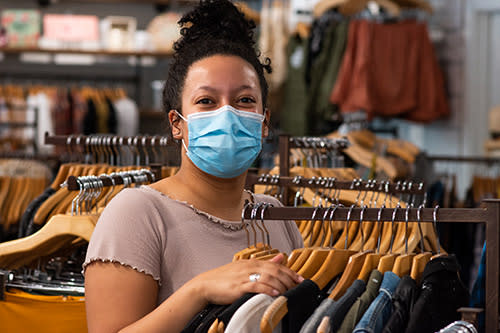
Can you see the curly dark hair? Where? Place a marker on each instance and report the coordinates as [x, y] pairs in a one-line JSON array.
[[213, 27]]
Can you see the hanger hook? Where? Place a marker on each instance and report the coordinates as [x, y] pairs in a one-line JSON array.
[[265, 206], [380, 223], [407, 218], [243, 224], [313, 222], [392, 225], [347, 225], [434, 222], [361, 217], [331, 224], [253, 215], [419, 220]]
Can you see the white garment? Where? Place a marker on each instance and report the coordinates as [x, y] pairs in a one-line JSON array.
[[45, 123], [127, 116], [247, 318]]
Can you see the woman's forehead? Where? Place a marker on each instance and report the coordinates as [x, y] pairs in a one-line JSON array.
[[221, 72]]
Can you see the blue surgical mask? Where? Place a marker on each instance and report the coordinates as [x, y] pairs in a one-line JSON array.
[[225, 142]]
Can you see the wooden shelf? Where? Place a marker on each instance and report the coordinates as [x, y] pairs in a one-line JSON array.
[[17, 50]]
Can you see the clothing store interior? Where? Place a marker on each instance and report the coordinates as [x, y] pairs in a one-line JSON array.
[[389, 213]]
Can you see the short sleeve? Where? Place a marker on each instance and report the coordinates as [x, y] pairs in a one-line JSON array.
[[129, 232]]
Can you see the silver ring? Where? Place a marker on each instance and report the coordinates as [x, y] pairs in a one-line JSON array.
[[254, 277]]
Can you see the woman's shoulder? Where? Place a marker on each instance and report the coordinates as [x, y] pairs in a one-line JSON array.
[[267, 199]]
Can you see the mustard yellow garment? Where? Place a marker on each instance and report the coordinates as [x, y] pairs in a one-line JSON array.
[[22, 312]]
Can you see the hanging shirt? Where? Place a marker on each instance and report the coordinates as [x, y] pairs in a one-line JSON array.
[[294, 116], [127, 117], [301, 302], [359, 307], [323, 74], [402, 305], [247, 318], [209, 313], [342, 306], [441, 294], [171, 240], [24, 312], [374, 319], [228, 313], [335, 310], [44, 122], [478, 295]]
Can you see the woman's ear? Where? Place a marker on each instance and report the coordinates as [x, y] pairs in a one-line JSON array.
[[174, 120], [267, 119]]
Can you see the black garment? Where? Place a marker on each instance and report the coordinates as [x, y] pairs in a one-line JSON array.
[[226, 315], [339, 309], [31, 210], [112, 120], [209, 312], [441, 294], [90, 118], [302, 301], [404, 297]]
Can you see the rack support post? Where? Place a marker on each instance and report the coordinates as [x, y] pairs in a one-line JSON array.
[[492, 264]]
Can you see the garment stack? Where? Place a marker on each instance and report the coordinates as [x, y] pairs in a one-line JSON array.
[[386, 68]]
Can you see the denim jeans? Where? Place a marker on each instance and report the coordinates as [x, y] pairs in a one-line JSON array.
[[379, 311]]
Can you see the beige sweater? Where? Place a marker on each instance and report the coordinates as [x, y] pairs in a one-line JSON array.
[[171, 240]]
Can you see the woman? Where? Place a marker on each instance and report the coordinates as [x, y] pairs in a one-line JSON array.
[[161, 253]]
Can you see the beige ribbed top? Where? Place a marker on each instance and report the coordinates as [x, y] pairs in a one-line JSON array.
[[171, 240]]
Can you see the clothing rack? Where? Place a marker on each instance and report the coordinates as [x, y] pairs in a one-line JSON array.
[[464, 159], [89, 141], [490, 216], [331, 183], [120, 178], [287, 142]]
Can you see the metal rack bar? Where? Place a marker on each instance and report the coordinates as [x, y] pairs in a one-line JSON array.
[[277, 180], [91, 140]]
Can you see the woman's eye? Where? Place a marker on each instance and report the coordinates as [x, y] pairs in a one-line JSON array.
[[247, 100], [204, 101]]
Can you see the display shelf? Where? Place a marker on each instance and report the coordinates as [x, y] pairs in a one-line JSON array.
[[155, 54]]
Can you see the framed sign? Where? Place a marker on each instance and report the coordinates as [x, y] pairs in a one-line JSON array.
[[119, 32], [22, 27], [71, 28]]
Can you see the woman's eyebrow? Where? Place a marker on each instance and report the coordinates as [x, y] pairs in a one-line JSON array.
[[212, 89]]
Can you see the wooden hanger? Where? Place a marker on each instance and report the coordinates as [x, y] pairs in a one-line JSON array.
[[248, 12], [59, 226], [418, 266], [419, 4]]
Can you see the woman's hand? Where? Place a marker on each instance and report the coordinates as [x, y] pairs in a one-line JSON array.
[[225, 284]]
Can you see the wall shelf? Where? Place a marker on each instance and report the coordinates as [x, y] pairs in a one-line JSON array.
[[155, 54]]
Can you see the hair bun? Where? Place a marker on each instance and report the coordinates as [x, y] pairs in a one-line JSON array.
[[216, 19]]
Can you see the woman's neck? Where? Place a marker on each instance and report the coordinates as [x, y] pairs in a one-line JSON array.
[[223, 198]]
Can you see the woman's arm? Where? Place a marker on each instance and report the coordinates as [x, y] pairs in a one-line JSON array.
[[120, 299]]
